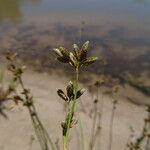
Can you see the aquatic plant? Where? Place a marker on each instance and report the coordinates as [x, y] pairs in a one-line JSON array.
[[77, 58], [26, 98], [97, 112]]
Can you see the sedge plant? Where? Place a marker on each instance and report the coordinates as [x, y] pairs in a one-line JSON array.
[[26, 98], [112, 117], [113, 85], [77, 58], [97, 118]]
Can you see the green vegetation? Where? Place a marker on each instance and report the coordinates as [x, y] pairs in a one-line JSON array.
[[76, 58]]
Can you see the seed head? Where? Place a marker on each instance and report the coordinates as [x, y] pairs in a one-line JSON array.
[[62, 95], [70, 90], [58, 52], [80, 93], [76, 58], [89, 61]]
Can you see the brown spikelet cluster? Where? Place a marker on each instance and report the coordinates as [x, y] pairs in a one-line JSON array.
[[77, 57], [69, 93]]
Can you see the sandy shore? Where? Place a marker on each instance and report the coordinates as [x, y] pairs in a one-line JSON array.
[[17, 131]]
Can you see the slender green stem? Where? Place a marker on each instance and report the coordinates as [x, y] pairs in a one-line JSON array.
[[71, 112], [64, 143]]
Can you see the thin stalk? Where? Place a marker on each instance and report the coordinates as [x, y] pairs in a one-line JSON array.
[[40, 130], [111, 126], [65, 143], [34, 120], [100, 120], [71, 112], [93, 128], [44, 130], [96, 125], [96, 136], [38, 134]]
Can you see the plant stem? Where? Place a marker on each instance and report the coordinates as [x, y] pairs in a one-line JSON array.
[[100, 119], [93, 128], [96, 128], [64, 143], [40, 130], [71, 112], [111, 126]]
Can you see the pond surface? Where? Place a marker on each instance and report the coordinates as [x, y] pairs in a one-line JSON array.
[[132, 14], [119, 30]]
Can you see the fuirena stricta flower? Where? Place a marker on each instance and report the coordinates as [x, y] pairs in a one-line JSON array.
[[77, 57], [70, 94]]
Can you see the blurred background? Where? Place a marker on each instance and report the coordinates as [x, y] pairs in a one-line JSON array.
[[119, 33], [117, 30]]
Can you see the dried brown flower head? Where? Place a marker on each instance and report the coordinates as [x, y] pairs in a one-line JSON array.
[[70, 93], [77, 57]]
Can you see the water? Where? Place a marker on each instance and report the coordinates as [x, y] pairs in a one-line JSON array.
[[119, 30], [129, 13]]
